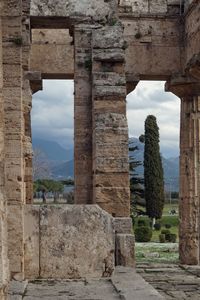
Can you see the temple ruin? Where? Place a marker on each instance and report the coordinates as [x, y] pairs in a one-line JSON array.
[[107, 47]]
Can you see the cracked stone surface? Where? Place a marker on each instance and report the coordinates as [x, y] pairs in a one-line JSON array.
[[125, 284], [73, 290], [172, 281]]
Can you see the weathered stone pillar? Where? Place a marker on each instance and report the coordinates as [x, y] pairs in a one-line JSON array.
[[83, 115], [4, 266], [15, 32], [27, 105], [110, 130], [189, 199]]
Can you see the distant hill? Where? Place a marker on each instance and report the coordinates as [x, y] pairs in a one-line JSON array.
[[64, 170], [170, 166], [53, 151], [62, 164]]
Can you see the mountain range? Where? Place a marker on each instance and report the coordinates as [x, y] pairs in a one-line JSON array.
[[61, 162]]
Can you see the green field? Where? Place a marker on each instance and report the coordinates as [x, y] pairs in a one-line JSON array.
[[157, 253], [154, 251], [173, 220]]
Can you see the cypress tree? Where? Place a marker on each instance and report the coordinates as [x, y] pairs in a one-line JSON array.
[[153, 170], [136, 182]]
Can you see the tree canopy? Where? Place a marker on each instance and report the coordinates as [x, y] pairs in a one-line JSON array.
[[153, 170]]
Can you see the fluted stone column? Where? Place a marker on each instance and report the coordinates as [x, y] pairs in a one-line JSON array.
[[4, 265], [83, 115], [16, 46], [110, 129], [189, 199]]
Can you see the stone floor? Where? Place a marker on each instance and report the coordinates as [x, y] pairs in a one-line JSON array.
[[172, 281], [125, 284]]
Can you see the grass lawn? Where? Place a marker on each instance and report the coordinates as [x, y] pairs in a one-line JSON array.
[[172, 220], [168, 207], [154, 251], [157, 253]]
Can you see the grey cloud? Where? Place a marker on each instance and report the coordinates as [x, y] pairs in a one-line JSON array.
[[53, 112]]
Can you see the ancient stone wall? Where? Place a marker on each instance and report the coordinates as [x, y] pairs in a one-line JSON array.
[[151, 38], [159, 40], [4, 266], [17, 102], [68, 241], [59, 63], [141, 7], [192, 32], [110, 128]]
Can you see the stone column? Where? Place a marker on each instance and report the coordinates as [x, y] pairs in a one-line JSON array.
[[189, 198], [83, 115], [110, 130], [4, 267], [27, 105], [14, 39]]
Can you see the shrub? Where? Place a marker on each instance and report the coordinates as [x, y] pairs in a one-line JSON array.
[[168, 226], [172, 220], [162, 238], [141, 223], [165, 231], [171, 237], [143, 234], [157, 226]]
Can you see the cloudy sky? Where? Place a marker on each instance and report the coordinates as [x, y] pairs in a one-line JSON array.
[[52, 113]]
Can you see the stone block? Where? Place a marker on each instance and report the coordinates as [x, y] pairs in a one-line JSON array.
[[109, 92], [15, 238], [115, 200], [108, 55], [76, 242], [110, 106], [128, 283], [11, 8], [111, 164], [123, 225], [110, 120], [96, 10], [112, 179], [125, 250], [108, 78], [31, 241], [158, 6], [17, 288], [108, 37]]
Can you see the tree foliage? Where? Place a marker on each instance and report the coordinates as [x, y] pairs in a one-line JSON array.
[[48, 185], [153, 171], [136, 182]]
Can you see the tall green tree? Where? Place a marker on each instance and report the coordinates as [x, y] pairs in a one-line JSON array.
[[136, 181], [153, 170]]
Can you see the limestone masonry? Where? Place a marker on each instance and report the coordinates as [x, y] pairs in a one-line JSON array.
[[107, 47]]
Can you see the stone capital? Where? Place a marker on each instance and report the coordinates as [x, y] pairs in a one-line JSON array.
[[131, 82], [183, 86], [193, 66]]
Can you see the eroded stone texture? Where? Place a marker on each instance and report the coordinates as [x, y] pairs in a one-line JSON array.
[[4, 274], [73, 242], [97, 10], [31, 242], [83, 115], [189, 242], [190, 174], [125, 250], [110, 130], [153, 31]]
